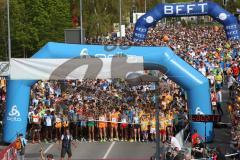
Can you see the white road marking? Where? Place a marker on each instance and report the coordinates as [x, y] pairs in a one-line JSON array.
[[49, 147], [109, 149]]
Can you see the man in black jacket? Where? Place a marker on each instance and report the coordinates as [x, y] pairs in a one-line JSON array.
[[66, 141]]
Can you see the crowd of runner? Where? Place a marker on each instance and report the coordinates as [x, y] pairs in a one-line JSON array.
[[104, 110]]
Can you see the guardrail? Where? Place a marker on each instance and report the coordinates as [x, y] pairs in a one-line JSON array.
[[4, 68]]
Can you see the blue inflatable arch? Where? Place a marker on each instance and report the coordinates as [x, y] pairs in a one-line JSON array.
[[196, 85], [229, 21]]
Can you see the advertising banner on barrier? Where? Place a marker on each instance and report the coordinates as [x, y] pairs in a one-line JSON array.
[[76, 68], [9, 153], [4, 69]]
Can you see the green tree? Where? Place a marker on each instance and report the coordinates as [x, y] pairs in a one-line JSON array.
[[3, 31], [232, 5], [34, 23]]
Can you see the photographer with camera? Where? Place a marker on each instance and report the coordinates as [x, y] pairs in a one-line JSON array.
[[198, 149]]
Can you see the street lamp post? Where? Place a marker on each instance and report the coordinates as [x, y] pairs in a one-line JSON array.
[[120, 18], [165, 20], [9, 32], [145, 6], [157, 121], [81, 21]]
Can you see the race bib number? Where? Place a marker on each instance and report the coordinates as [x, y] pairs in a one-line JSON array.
[[124, 120], [169, 122], [101, 119], [35, 120], [65, 124], [136, 120], [58, 120], [114, 119], [49, 121], [90, 119], [214, 103]]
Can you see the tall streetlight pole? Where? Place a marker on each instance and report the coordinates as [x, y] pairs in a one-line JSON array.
[[9, 32], [157, 121], [165, 20], [81, 21], [120, 18]]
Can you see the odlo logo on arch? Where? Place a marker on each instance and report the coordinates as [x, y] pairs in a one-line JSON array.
[[14, 114]]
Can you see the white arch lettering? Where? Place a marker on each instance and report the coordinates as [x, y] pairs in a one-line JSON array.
[[168, 9], [185, 9], [179, 8], [190, 7], [202, 6]]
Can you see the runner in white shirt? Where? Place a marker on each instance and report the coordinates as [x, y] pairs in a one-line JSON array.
[[48, 122], [202, 69], [136, 121]]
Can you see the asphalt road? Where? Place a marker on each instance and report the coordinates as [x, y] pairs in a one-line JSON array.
[[96, 150]]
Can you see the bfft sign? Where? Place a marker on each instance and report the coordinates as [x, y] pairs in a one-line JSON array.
[[185, 9]]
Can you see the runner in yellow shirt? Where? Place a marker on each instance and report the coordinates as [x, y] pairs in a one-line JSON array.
[[114, 125], [144, 127], [153, 127], [218, 79]]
